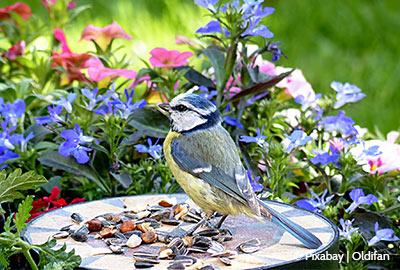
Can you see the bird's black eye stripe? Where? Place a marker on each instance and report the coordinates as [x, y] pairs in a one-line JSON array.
[[180, 108]]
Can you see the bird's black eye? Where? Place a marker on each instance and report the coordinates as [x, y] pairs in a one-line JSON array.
[[180, 108]]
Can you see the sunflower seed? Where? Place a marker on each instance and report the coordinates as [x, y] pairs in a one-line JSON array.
[[143, 265], [176, 266], [250, 246], [225, 260], [215, 247], [61, 235], [165, 253], [172, 222], [145, 255], [145, 259], [77, 218], [116, 249]]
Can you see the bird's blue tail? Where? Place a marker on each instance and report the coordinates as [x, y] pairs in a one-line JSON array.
[[304, 236]]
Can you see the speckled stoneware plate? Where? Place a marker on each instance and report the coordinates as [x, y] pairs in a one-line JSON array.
[[279, 248]]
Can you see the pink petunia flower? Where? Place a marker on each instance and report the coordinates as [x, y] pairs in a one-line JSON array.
[[17, 49], [164, 58], [21, 9], [378, 156], [98, 72], [104, 36], [71, 62]]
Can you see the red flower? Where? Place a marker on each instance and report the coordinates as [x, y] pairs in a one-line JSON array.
[[21, 9], [53, 201], [71, 62], [17, 49]]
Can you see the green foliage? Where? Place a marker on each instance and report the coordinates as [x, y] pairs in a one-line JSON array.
[[22, 215], [12, 184], [11, 243]]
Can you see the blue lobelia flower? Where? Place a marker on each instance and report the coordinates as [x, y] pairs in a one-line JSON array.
[[53, 117], [204, 92], [21, 140], [316, 203], [258, 139], [93, 98], [254, 182], [124, 109], [256, 97], [382, 235], [347, 228], [358, 197], [252, 17], [346, 93], [296, 139], [273, 47], [12, 112], [339, 123], [233, 122], [74, 144], [66, 102], [211, 27], [326, 158], [5, 155], [153, 150]]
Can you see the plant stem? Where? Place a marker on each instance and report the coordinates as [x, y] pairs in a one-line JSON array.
[[29, 259]]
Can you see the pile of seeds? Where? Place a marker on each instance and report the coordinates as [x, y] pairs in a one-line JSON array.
[[129, 230]]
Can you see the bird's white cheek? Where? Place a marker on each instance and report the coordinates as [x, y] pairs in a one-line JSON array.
[[186, 121]]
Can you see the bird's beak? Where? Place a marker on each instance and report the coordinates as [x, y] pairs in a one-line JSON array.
[[164, 108]]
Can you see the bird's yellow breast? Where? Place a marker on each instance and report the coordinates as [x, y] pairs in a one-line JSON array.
[[209, 198]]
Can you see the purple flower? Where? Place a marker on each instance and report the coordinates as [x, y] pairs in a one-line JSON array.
[[253, 13], [124, 109], [53, 117], [21, 141], [254, 98], [258, 139], [6, 155], [12, 111], [296, 139], [325, 158], [382, 234], [210, 28], [346, 93], [206, 93], [254, 182], [66, 102], [93, 98], [74, 144], [153, 150], [307, 101], [358, 197], [233, 122], [340, 123], [273, 47], [316, 203], [346, 229]]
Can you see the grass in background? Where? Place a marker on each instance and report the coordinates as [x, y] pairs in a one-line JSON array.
[[355, 41]]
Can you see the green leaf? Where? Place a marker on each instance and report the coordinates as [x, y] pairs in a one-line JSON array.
[[199, 79], [54, 160], [23, 213], [57, 257], [124, 179], [150, 122], [217, 59], [11, 185], [257, 88]]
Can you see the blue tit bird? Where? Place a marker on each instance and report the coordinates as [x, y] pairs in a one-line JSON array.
[[205, 162]]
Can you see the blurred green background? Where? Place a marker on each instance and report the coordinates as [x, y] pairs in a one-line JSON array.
[[354, 41]]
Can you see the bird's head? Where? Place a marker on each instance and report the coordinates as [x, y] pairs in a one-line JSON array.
[[189, 112]]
